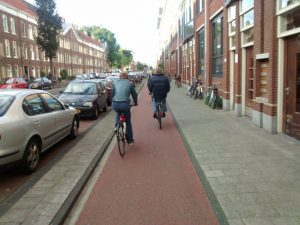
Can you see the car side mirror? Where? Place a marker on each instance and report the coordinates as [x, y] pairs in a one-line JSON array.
[[61, 92], [67, 106]]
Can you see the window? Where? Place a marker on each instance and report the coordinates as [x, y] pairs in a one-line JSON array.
[[4, 23], [30, 32], [288, 17], [199, 6], [217, 46], [13, 25], [247, 22], [9, 70], [286, 3], [232, 26], [31, 52], [37, 52], [7, 48], [15, 49], [52, 103], [17, 70], [33, 105], [25, 51], [201, 52], [23, 29], [246, 5], [35, 32]]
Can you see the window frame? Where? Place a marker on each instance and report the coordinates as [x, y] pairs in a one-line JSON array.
[[5, 23], [7, 48], [214, 56]]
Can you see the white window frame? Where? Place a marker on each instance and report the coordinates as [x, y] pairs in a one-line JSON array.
[[15, 49], [247, 28], [24, 29], [30, 32], [13, 25], [231, 18], [8, 70], [25, 51], [280, 13], [7, 48], [5, 23], [37, 53], [17, 70], [32, 55]]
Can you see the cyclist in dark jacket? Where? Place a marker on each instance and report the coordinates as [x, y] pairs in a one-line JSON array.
[[159, 86]]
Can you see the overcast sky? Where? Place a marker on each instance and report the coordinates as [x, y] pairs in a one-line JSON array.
[[132, 21]]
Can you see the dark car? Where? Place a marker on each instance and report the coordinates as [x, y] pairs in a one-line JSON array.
[[87, 96], [41, 83]]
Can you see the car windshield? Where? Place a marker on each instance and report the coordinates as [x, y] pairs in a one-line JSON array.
[[5, 103], [81, 88]]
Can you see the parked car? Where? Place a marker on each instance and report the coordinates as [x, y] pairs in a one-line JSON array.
[[15, 82], [31, 121], [109, 86], [113, 78], [41, 83], [87, 96]]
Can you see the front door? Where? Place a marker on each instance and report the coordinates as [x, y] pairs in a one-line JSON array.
[[292, 89]]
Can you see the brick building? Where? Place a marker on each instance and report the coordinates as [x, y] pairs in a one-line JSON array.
[[249, 49], [20, 55]]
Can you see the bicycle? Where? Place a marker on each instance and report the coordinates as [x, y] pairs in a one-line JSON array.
[[159, 113], [121, 134]]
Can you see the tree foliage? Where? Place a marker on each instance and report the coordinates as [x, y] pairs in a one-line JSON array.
[[105, 35], [126, 57], [49, 26]]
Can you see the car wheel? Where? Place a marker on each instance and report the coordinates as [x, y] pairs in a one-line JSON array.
[[96, 113], [105, 108], [31, 156], [74, 129]]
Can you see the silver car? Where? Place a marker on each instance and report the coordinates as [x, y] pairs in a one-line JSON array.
[[31, 121]]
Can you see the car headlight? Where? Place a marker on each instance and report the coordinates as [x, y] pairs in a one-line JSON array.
[[88, 104]]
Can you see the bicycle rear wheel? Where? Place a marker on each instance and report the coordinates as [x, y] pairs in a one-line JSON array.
[[159, 115], [121, 139]]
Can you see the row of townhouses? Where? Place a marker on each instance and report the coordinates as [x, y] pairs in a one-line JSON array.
[[20, 55], [249, 49]]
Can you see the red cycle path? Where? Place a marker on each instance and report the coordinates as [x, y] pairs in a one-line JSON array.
[[154, 184]]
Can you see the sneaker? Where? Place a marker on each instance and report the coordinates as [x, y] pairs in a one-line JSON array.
[[154, 115], [115, 130], [131, 142]]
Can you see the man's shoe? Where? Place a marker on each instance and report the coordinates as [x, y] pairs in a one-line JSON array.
[[154, 115], [131, 142], [163, 115], [115, 130]]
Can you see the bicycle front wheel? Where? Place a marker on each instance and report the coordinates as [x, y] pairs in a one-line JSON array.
[[121, 139]]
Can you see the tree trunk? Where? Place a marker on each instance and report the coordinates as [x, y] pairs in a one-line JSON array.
[[51, 69]]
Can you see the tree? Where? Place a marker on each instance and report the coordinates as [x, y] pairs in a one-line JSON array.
[[49, 26], [126, 57], [104, 34]]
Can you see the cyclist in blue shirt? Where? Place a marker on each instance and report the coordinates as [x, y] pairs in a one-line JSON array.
[[121, 102], [159, 86]]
